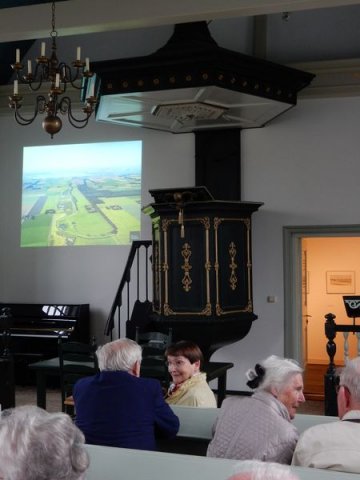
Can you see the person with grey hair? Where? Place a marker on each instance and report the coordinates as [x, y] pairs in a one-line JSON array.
[[258, 470], [116, 407], [336, 445], [259, 426], [37, 445]]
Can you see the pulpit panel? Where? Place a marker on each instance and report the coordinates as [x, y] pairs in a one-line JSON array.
[[232, 265], [186, 266]]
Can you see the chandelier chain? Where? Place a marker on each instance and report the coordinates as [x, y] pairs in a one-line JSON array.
[[53, 32]]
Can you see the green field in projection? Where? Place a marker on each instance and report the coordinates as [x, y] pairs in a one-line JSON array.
[[77, 211]]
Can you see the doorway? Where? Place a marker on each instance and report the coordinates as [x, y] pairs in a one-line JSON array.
[[313, 257]]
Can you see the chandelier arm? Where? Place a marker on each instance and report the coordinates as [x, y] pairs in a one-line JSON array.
[[68, 77], [34, 89], [39, 108], [21, 120], [81, 123], [34, 80], [65, 108]]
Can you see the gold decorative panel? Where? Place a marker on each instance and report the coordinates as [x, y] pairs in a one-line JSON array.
[[232, 265], [186, 266], [186, 254]]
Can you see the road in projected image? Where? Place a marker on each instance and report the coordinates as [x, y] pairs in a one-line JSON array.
[[94, 208]]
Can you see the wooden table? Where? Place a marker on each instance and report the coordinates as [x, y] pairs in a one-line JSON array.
[[51, 367], [218, 370], [43, 370]]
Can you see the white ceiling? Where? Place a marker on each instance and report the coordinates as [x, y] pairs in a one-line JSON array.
[[87, 16], [320, 36]]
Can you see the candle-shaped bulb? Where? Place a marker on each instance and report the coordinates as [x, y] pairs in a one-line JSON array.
[[17, 59], [29, 67], [87, 64], [57, 80], [78, 53], [91, 91], [42, 49], [16, 87]]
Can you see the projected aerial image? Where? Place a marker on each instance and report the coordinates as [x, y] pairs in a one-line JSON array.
[[83, 194]]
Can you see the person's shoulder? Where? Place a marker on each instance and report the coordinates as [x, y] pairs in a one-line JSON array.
[[151, 383], [326, 429], [201, 397], [315, 440], [83, 382], [235, 399], [206, 401], [234, 402], [325, 426]]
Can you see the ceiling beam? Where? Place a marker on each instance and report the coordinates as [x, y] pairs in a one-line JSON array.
[[75, 17]]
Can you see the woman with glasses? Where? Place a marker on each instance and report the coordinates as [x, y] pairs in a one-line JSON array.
[[189, 386]]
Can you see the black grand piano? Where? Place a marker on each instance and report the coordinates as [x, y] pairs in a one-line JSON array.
[[34, 331]]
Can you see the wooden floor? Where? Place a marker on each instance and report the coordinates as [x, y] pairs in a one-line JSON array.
[[314, 381]]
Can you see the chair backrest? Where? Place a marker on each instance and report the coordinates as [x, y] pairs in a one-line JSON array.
[[76, 360], [154, 342], [153, 346]]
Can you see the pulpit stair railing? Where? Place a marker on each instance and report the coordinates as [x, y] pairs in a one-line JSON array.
[[133, 293]]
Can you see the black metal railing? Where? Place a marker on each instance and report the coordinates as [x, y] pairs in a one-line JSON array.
[[135, 282]]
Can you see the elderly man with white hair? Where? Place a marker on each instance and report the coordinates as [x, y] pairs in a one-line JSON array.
[[116, 407], [336, 445], [35, 444]]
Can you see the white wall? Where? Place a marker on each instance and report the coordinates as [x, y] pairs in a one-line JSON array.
[[304, 166], [77, 274]]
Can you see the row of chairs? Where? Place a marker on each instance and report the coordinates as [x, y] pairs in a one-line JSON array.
[[79, 360]]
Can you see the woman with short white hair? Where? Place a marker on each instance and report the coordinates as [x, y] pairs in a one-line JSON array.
[[259, 426], [37, 445]]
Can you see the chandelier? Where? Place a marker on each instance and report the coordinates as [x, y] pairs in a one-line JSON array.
[[60, 76]]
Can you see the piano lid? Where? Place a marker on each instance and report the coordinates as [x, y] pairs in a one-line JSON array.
[[41, 311]]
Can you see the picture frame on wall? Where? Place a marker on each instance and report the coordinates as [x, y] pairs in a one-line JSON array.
[[340, 282]]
